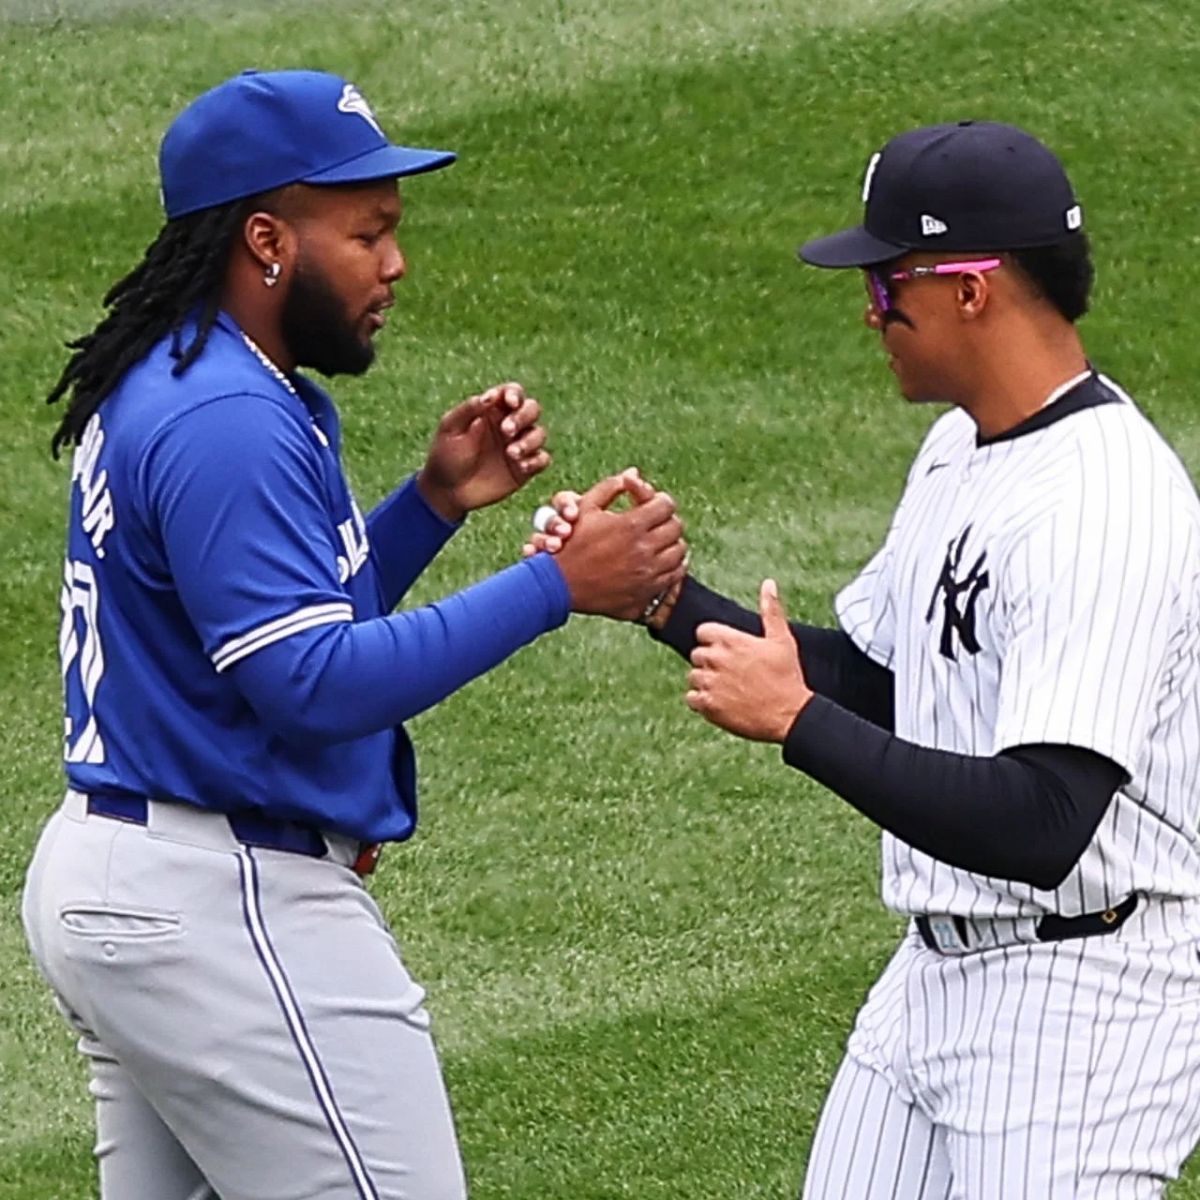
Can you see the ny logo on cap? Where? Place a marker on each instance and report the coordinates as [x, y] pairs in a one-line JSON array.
[[869, 177], [352, 102], [931, 226]]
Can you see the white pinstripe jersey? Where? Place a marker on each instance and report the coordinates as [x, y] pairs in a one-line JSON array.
[[1044, 587]]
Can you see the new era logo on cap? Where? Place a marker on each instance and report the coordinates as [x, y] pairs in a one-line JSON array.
[[931, 226]]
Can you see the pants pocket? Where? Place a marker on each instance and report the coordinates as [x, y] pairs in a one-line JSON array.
[[118, 924]]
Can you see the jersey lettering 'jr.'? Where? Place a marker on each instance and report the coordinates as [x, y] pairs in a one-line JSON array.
[[1043, 586]]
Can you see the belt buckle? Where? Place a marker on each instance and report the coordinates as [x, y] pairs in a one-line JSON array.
[[368, 858]]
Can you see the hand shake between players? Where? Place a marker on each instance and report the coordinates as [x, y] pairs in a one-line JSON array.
[[616, 564], [752, 686], [492, 444]]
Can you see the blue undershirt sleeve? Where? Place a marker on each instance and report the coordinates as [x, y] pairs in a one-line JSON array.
[[338, 682], [233, 488], [405, 536]]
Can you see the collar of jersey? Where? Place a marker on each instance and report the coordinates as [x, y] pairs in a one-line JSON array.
[[314, 398], [1089, 392]]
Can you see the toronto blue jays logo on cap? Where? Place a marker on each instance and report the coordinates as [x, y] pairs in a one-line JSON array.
[[353, 101]]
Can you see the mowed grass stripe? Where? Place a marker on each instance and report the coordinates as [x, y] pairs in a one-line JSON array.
[[644, 942], [626, 1133], [417, 62]]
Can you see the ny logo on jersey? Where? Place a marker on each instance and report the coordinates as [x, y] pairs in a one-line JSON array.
[[959, 596]]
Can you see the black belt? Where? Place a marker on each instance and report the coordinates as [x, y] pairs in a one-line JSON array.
[[251, 829], [1050, 928]]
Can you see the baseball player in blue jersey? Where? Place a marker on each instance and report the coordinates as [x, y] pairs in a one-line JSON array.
[[235, 686], [1013, 696]]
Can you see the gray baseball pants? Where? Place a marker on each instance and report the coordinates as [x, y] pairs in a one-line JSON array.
[[251, 1030]]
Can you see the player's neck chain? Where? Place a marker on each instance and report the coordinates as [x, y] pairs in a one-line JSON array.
[[258, 353]]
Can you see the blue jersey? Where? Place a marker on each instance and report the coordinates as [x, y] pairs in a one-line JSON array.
[[225, 636]]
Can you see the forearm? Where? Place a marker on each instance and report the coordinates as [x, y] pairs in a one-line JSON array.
[[833, 665], [343, 681], [405, 535], [1025, 815]]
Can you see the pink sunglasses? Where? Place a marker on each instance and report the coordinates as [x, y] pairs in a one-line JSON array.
[[880, 293]]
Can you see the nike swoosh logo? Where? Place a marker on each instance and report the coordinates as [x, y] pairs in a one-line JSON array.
[[934, 467]]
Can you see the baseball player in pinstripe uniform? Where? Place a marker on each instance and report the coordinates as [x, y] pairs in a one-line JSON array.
[[1013, 695], [234, 683]]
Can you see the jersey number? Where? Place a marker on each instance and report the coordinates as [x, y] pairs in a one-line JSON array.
[[82, 663]]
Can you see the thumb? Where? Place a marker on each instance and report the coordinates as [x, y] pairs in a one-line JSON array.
[[640, 490], [460, 418], [770, 607], [606, 492]]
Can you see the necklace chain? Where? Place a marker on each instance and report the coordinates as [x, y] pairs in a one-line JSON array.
[[258, 353]]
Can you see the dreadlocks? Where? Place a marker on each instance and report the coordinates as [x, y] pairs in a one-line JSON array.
[[180, 273]]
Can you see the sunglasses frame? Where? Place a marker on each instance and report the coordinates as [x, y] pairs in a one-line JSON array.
[[880, 293]]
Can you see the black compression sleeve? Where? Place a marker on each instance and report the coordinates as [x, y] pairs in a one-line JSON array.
[[697, 604], [833, 665], [1026, 814]]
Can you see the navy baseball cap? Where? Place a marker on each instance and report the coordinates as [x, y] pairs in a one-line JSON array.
[[265, 129], [973, 186]]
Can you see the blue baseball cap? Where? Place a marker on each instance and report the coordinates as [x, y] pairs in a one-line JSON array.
[[265, 129]]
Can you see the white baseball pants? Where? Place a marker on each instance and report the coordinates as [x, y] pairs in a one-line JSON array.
[[1053, 1071]]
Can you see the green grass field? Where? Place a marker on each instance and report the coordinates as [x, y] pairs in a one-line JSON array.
[[644, 941]]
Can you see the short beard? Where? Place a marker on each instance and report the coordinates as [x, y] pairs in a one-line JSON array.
[[316, 330]]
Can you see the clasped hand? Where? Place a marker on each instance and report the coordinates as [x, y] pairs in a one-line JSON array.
[[615, 563], [484, 449], [752, 686]]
